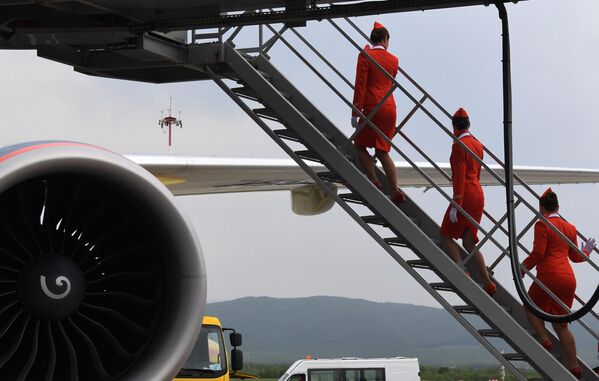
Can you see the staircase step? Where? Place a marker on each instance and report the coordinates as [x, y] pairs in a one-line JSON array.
[[246, 92], [375, 220], [490, 332], [288, 134], [398, 241], [267, 113], [420, 264], [332, 177], [352, 197], [309, 155], [466, 309], [442, 286], [514, 357]]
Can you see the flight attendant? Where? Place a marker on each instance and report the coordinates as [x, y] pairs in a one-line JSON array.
[[550, 256], [468, 193], [371, 86]]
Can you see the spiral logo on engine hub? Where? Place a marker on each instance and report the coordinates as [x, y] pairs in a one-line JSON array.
[[51, 287], [60, 281]]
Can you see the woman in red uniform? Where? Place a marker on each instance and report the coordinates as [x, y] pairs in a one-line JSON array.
[[550, 256], [468, 193], [371, 86]]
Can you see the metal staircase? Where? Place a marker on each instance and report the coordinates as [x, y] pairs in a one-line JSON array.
[[292, 121]]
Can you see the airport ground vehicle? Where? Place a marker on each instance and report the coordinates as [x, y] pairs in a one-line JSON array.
[[354, 369], [208, 359]]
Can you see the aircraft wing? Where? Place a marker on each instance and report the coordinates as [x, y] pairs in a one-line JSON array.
[[205, 175]]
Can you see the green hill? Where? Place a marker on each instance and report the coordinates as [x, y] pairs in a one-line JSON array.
[[283, 330]]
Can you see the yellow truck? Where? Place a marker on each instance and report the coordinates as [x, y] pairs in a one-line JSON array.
[[209, 360]]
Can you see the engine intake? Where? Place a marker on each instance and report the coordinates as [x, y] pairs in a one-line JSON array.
[[101, 276]]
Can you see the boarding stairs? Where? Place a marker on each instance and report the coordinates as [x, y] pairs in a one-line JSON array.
[[292, 121]]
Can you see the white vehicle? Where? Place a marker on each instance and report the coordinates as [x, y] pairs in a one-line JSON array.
[[354, 369]]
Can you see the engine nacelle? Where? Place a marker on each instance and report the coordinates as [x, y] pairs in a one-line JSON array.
[[101, 276]]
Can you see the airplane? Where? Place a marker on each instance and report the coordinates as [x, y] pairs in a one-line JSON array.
[[85, 212]]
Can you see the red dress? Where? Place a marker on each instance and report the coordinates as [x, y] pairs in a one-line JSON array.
[[371, 86], [550, 256], [467, 191]]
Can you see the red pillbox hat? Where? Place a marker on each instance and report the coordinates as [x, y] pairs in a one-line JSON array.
[[547, 192], [378, 25], [461, 113]]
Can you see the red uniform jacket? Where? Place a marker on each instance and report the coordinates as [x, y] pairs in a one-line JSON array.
[[465, 170], [550, 252], [371, 84]]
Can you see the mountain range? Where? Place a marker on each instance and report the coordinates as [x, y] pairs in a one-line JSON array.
[[284, 330]]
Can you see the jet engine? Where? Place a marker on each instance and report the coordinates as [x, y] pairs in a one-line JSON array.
[[101, 276]]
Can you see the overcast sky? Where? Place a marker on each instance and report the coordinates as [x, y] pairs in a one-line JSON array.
[[253, 243]]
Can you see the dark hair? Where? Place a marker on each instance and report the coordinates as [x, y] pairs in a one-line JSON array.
[[549, 202], [378, 35], [460, 122]]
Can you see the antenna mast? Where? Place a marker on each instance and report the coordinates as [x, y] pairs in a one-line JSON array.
[[170, 121]]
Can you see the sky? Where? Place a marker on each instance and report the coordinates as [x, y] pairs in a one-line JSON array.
[[253, 243]]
